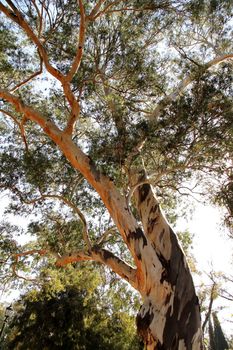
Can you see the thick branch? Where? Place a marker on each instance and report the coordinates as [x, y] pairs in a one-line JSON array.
[[30, 113], [104, 257], [186, 82]]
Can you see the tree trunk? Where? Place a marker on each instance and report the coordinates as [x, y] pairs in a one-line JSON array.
[[169, 317]]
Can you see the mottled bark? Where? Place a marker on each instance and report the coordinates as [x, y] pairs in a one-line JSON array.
[[169, 317]]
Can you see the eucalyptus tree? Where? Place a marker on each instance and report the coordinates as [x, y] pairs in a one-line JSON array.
[[110, 108]]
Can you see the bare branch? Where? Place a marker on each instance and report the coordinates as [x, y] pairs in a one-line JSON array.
[[95, 9], [79, 52], [20, 125], [103, 237], [23, 132], [42, 2], [40, 16], [75, 109], [16, 87], [41, 252], [186, 82]]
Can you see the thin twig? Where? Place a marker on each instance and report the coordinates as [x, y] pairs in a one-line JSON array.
[[102, 238], [20, 125], [95, 9], [40, 16], [16, 87], [71, 205]]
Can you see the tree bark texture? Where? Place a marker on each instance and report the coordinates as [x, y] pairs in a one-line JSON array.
[[169, 317]]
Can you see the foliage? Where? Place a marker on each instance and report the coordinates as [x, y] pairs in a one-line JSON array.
[[71, 316], [216, 336]]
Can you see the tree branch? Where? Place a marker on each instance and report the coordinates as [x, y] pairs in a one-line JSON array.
[[95, 10], [18, 18], [16, 87], [16, 257], [184, 83], [105, 257], [72, 206], [102, 238], [75, 108], [20, 125], [110, 195], [49, 127], [40, 16], [79, 52]]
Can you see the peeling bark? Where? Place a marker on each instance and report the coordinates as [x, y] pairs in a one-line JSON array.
[[169, 317]]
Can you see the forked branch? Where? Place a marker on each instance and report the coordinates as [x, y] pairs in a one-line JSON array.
[[86, 237], [17, 17], [30, 113], [16, 258], [95, 10], [75, 108]]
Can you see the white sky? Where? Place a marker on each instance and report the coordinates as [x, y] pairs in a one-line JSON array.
[[213, 250]]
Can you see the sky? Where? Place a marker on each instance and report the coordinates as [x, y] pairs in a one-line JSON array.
[[213, 250]]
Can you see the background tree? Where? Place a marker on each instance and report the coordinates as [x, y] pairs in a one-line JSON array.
[[71, 316], [216, 337], [130, 96]]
